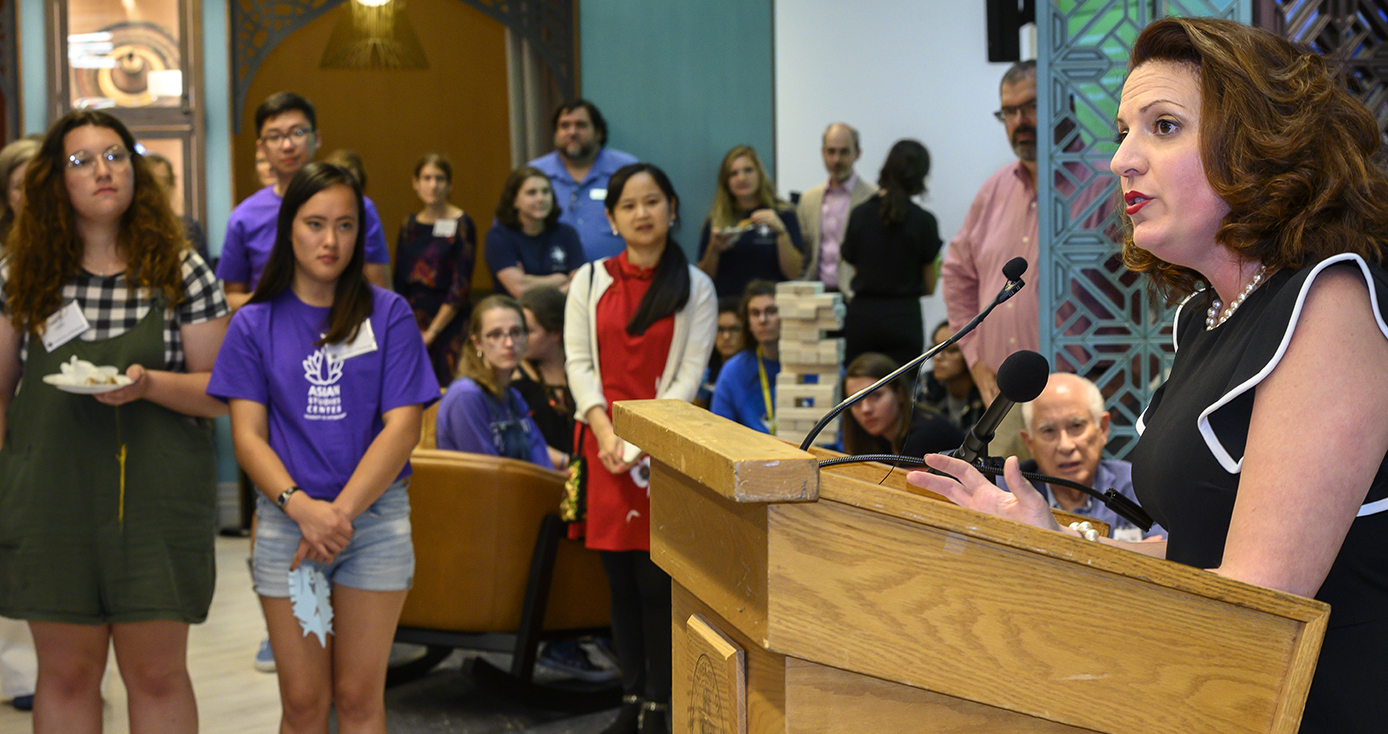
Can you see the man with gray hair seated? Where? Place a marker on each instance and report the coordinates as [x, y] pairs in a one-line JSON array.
[[1066, 429]]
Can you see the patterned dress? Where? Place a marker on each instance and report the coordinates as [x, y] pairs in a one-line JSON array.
[[433, 271]]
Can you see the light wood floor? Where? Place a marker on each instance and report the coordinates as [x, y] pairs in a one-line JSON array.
[[232, 696]]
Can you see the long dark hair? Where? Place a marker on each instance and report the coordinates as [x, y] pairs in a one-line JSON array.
[[858, 441], [352, 300], [669, 291], [902, 176]]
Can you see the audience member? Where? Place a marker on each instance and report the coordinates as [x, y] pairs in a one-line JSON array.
[[746, 387], [636, 326], [540, 378], [434, 253], [579, 168], [327, 379], [1000, 225], [348, 159], [728, 343], [823, 210], [14, 162], [1066, 430], [96, 233], [528, 245], [264, 174], [891, 243], [288, 135], [884, 422], [750, 233], [482, 413], [949, 388], [192, 229]]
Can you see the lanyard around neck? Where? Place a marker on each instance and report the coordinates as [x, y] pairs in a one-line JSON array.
[[770, 416]]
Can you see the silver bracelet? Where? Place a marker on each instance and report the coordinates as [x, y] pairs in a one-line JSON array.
[[1086, 530]]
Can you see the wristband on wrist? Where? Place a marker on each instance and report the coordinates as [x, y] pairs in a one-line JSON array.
[[283, 499]]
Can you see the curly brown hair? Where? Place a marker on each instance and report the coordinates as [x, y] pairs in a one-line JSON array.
[[1283, 143], [45, 250]]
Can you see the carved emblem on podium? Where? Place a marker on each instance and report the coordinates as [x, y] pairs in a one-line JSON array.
[[718, 685]]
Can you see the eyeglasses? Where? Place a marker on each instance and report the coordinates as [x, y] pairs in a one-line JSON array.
[[1026, 108], [1075, 428], [734, 329], [517, 336], [770, 312], [84, 163], [295, 136]]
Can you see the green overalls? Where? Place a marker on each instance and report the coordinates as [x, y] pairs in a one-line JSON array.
[[76, 546]]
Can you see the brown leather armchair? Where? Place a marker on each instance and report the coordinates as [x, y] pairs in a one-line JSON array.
[[493, 569]]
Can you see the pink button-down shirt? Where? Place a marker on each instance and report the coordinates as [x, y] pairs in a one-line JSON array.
[[833, 219], [1001, 225]]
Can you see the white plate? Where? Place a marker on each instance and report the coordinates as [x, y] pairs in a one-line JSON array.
[[62, 383]]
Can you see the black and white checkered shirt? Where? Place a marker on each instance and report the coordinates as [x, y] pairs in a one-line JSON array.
[[112, 307]]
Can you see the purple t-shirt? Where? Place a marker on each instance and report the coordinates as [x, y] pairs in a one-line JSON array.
[[251, 237], [324, 403], [470, 419]]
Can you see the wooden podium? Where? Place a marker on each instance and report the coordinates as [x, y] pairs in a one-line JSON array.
[[827, 602]]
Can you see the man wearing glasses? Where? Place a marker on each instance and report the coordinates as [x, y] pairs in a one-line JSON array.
[[1001, 225], [1067, 429], [288, 136]]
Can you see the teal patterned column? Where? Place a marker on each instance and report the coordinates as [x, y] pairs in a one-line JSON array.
[[1105, 326]]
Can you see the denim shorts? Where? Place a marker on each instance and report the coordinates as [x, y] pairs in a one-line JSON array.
[[380, 556]]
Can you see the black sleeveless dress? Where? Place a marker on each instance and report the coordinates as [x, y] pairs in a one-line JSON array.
[[1201, 414]]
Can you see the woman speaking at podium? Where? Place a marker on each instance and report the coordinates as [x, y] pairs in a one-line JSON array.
[[1254, 199]]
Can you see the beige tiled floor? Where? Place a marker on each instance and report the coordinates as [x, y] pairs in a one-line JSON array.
[[232, 696], [234, 699]]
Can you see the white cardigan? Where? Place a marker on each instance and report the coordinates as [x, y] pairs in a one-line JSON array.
[[695, 327]]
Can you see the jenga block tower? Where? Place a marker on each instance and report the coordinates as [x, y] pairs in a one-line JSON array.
[[808, 385]]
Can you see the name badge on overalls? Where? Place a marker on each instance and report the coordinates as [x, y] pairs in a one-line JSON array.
[[363, 343], [64, 326]]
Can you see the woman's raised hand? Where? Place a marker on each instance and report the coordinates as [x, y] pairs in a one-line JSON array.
[[970, 489]]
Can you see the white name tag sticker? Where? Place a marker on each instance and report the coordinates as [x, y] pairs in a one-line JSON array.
[[597, 194], [64, 326], [364, 343], [445, 228]]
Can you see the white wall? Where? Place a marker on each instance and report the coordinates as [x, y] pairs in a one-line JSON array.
[[893, 69]]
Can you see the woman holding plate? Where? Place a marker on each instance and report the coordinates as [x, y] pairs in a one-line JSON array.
[[114, 549]]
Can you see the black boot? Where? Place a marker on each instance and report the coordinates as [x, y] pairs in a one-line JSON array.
[[628, 719], [654, 718]]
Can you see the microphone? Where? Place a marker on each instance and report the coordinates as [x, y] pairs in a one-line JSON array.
[[1013, 270], [1021, 377]]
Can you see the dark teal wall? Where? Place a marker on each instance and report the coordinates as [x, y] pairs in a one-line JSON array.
[[680, 83]]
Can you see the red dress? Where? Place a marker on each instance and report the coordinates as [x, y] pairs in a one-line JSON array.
[[631, 366]]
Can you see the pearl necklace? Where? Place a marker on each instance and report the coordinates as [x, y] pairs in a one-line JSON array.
[[1217, 317]]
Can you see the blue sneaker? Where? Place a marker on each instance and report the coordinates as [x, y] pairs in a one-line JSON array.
[[265, 657], [565, 656]]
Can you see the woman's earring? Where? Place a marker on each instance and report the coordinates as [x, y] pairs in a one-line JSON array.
[[614, 232], [479, 353]]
